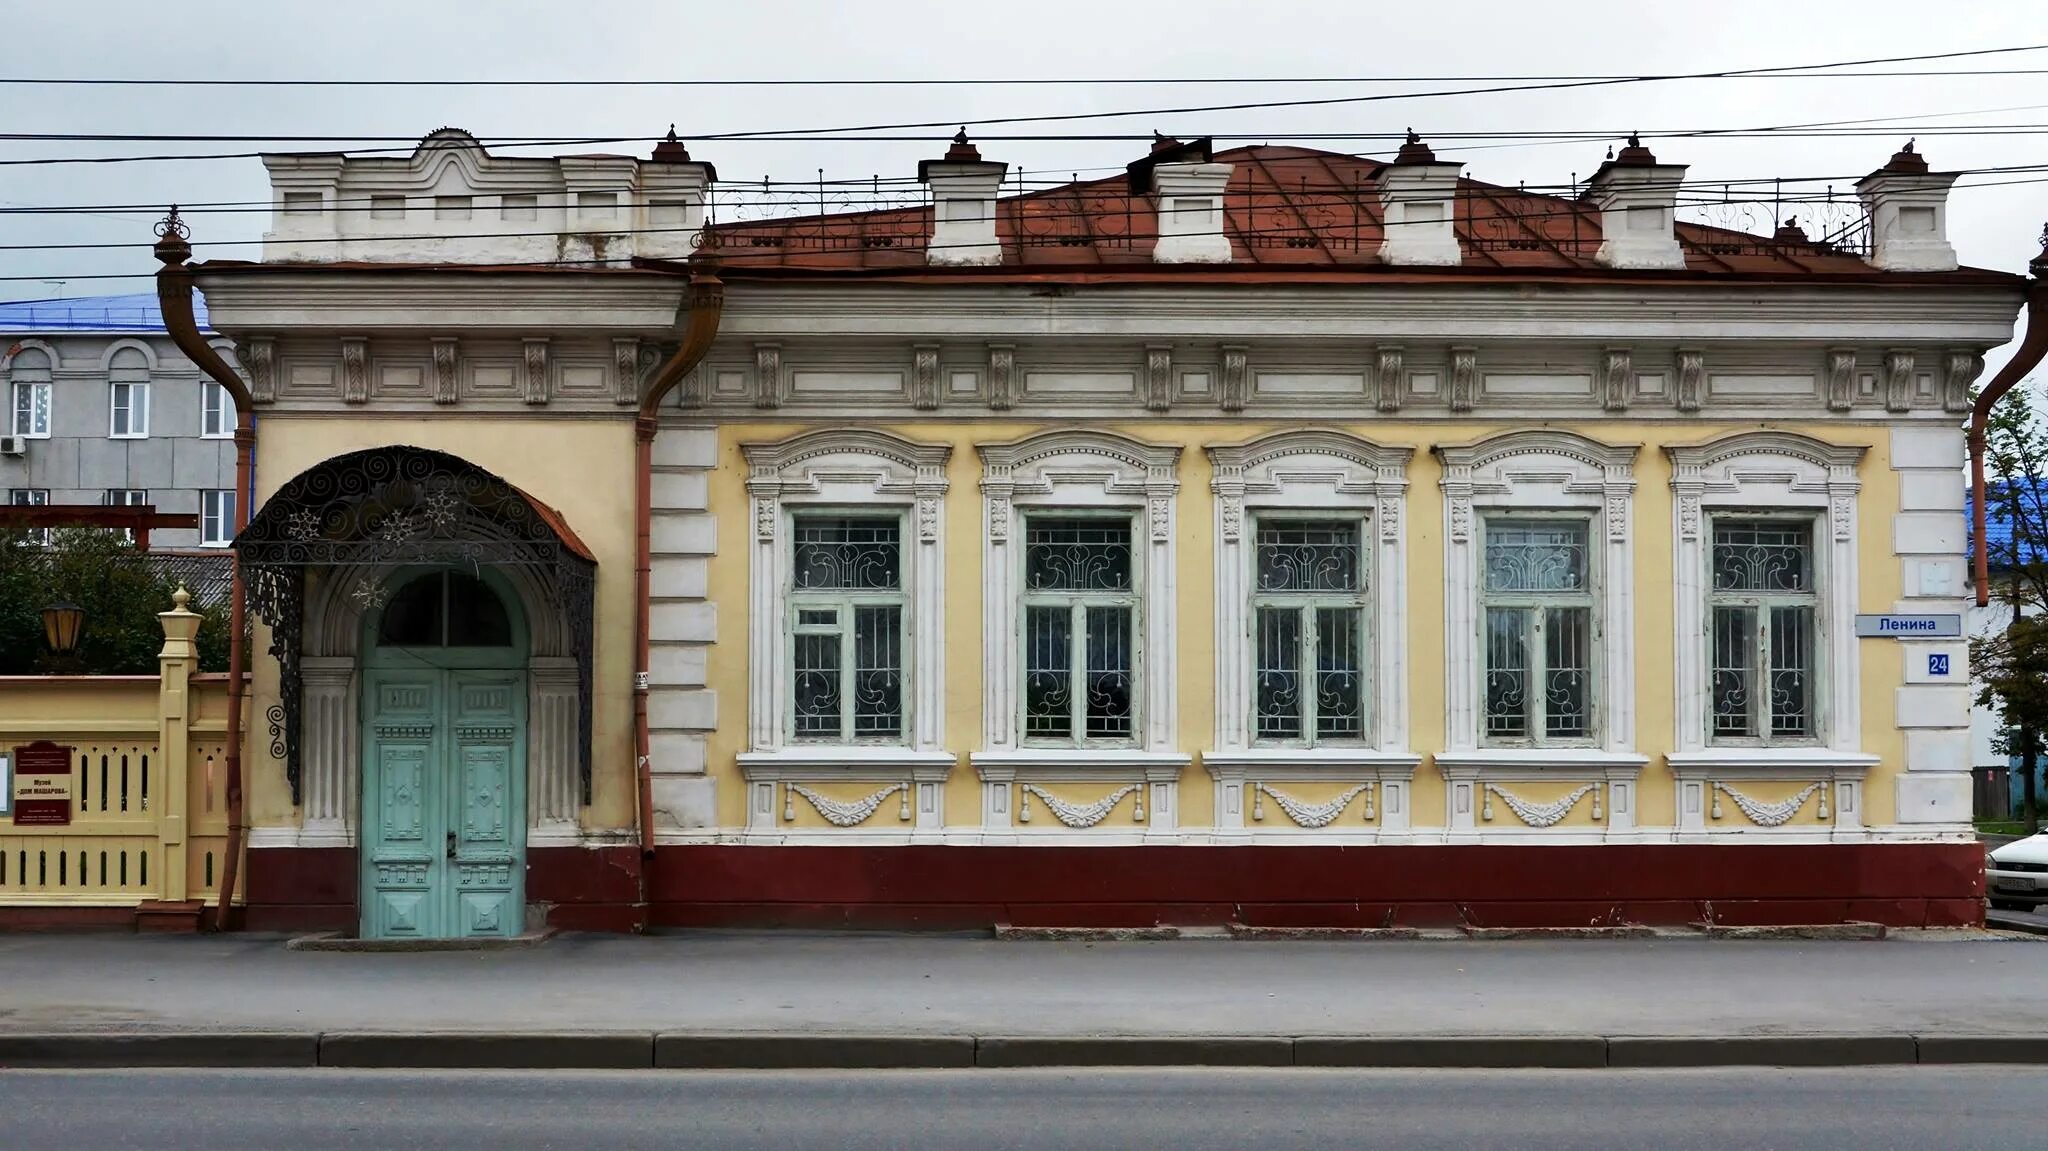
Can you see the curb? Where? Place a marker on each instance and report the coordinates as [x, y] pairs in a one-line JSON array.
[[641, 1050], [796, 1052], [589, 1051]]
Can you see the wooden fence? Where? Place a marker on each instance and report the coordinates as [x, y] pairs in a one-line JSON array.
[[145, 822]]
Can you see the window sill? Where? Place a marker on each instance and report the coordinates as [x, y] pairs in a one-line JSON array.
[[1768, 762], [853, 762], [1078, 763], [1307, 763], [1538, 763]]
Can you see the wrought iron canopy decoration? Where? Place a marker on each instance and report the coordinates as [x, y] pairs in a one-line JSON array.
[[401, 506]]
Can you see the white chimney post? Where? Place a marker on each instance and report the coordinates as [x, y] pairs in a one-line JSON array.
[[964, 188], [1637, 197], [1418, 196], [1908, 208], [1190, 212], [669, 201]]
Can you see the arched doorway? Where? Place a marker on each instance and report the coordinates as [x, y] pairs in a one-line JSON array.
[[384, 576], [444, 750]]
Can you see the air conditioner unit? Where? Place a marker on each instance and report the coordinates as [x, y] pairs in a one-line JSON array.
[[13, 445]]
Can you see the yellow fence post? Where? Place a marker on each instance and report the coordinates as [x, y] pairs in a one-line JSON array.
[[177, 661]]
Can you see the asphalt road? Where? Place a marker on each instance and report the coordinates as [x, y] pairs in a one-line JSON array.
[[1871, 1109]]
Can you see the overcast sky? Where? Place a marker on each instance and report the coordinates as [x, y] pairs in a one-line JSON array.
[[1994, 227]]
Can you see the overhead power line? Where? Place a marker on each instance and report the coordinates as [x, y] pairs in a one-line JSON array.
[[846, 132], [1469, 139], [1809, 73]]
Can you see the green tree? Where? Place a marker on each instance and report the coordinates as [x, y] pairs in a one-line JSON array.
[[2011, 666], [120, 589]]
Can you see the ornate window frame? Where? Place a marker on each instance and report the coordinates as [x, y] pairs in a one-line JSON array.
[[1538, 470], [854, 470], [1080, 471], [1768, 471], [1324, 471]]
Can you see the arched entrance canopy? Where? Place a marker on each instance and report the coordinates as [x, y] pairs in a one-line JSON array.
[[386, 508]]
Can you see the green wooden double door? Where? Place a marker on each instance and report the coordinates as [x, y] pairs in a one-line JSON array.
[[444, 838]]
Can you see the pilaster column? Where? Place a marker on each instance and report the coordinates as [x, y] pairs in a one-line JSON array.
[[328, 744], [552, 781]]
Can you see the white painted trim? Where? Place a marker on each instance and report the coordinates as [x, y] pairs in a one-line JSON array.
[[856, 468], [1472, 777], [1005, 776], [1698, 775], [1540, 469], [1081, 470], [922, 775], [1265, 835], [1322, 470], [1388, 779], [1765, 471]]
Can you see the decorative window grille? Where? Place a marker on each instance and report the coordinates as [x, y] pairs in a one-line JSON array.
[[216, 518], [1080, 612], [846, 634], [1763, 629], [1538, 630], [1308, 631], [31, 394], [216, 412]]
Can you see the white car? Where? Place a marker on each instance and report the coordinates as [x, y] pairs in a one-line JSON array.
[[2017, 874]]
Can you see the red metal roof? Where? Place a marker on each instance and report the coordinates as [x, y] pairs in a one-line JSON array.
[[1291, 213]]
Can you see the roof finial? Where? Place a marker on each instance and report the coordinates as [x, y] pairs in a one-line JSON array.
[[1909, 144], [1634, 141], [173, 244], [1610, 151], [1414, 151], [960, 137], [670, 150]]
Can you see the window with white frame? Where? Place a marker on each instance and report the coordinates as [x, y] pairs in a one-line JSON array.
[[126, 498], [1078, 617], [31, 398], [216, 518], [1080, 607], [1766, 586], [1539, 600], [846, 604], [1309, 630], [1763, 626], [216, 412], [32, 498], [1536, 596], [847, 601], [130, 404]]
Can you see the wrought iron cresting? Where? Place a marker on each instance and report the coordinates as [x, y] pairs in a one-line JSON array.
[[400, 506]]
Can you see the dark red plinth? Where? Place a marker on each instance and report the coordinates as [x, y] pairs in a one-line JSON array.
[[951, 888]]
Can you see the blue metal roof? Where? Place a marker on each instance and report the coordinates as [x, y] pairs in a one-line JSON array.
[[136, 312], [1998, 525]]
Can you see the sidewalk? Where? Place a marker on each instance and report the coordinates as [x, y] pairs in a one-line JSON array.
[[810, 985]]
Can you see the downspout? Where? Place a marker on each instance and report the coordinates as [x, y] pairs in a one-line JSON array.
[[174, 297], [699, 322], [2023, 361]]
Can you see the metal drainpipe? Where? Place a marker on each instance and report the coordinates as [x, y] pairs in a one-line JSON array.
[[699, 322], [174, 297], [2023, 361]]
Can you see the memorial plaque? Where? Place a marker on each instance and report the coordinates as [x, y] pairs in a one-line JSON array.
[[42, 784]]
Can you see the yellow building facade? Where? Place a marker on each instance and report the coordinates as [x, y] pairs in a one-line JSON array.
[[1263, 536]]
